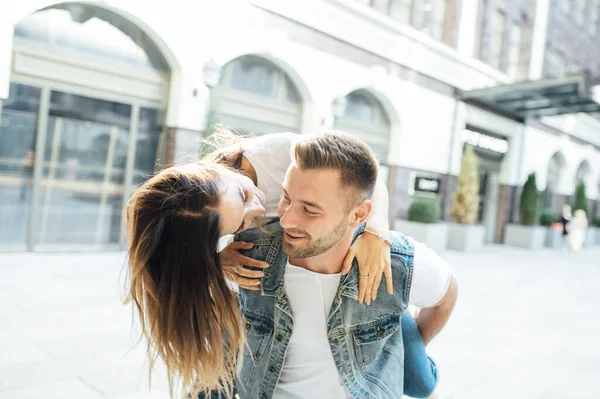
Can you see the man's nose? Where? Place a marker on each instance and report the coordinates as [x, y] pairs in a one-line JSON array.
[[288, 219]]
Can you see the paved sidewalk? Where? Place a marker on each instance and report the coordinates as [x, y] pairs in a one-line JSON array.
[[526, 327]]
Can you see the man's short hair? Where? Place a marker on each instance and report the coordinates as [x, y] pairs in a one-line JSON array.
[[340, 151]]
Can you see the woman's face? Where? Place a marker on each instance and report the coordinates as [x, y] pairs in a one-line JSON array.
[[240, 203]]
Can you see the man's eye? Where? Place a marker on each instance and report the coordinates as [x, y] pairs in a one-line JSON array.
[[309, 213]]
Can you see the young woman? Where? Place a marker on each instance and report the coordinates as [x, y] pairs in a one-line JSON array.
[[179, 278]]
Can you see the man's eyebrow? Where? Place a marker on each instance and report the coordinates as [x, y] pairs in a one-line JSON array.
[[313, 205]]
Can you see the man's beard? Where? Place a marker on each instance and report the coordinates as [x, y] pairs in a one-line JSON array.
[[319, 246]]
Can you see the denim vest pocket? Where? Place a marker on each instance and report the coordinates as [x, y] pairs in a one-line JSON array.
[[371, 337], [258, 330]]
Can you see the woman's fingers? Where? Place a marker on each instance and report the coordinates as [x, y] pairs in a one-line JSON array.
[[362, 288], [348, 261], [245, 282], [376, 283], [241, 245], [388, 279], [242, 271]]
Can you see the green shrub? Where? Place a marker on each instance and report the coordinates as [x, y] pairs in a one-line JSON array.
[[548, 217], [581, 201], [465, 205], [529, 204], [598, 222], [424, 211]]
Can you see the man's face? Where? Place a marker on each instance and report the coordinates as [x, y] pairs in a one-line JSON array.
[[314, 211]]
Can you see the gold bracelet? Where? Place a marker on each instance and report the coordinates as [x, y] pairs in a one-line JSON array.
[[381, 237]]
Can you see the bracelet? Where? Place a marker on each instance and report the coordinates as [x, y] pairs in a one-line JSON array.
[[381, 237]]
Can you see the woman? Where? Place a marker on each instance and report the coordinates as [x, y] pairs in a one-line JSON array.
[[577, 231], [178, 278]]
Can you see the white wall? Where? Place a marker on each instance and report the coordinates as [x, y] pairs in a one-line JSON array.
[[541, 146]]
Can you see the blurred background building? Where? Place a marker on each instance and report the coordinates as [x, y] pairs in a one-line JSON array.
[[97, 95]]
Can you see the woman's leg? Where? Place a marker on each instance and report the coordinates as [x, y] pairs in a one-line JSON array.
[[420, 371]]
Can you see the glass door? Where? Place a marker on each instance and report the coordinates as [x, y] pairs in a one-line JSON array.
[[18, 126]]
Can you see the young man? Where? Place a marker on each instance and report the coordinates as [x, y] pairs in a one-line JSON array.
[[307, 334]]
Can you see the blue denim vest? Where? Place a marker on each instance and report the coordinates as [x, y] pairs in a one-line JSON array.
[[366, 341]]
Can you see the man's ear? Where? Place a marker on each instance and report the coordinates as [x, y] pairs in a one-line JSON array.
[[360, 213]]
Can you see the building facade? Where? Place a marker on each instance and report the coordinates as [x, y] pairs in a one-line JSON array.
[[97, 95]]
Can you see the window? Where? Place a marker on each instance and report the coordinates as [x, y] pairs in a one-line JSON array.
[[497, 31], [252, 74], [579, 11], [593, 21], [434, 17], [401, 10], [514, 51]]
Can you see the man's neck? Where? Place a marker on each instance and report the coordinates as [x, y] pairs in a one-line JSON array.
[[330, 261]]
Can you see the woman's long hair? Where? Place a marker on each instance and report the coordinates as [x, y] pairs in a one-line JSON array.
[[188, 312]]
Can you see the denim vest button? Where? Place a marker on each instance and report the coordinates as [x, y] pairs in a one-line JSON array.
[[271, 369], [279, 338], [379, 333], [248, 326]]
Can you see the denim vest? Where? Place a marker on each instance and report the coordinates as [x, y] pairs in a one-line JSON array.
[[366, 341]]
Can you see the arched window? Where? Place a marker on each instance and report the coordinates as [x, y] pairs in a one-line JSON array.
[[583, 172], [554, 180], [365, 117], [256, 96], [105, 85]]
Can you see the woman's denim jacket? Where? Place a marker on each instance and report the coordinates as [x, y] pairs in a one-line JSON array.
[[366, 341]]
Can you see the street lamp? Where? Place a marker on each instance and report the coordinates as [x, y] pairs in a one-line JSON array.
[[212, 73]]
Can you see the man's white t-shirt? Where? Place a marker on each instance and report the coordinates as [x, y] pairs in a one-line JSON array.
[[309, 369]]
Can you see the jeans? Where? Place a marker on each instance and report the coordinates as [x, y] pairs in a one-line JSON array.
[[420, 371]]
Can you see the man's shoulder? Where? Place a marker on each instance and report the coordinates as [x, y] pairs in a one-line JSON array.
[[401, 244], [263, 235]]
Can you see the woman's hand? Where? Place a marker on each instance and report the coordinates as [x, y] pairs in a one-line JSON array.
[[234, 265], [373, 256]]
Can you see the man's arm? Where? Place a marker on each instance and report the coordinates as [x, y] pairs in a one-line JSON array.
[[432, 319]]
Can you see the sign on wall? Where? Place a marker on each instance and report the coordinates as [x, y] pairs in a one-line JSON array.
[[424, 186], [485, 142]]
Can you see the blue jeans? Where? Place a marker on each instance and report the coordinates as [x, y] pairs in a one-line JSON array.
[[420, 371]]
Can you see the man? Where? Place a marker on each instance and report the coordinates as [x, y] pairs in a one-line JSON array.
[[307, 334]]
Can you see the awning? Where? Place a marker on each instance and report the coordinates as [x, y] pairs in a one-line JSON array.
[[539, 98]]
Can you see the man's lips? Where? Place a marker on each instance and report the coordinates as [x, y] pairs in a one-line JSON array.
[[293, 237]]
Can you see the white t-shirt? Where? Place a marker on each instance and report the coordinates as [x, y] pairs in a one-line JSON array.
[[270, 157], [309, 370]]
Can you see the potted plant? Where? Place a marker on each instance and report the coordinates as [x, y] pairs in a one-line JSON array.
[[422, 224], [465, 234], [549, 220], [527, 234]]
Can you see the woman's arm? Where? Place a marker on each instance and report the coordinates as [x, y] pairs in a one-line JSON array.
[[371, 251]]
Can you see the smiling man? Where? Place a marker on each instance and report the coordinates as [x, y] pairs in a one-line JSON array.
[[307, 334]]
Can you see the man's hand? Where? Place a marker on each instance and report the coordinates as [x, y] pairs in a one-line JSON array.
[[431, 320], [233, 263]]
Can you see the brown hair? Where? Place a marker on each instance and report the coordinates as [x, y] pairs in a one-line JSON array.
[[188, 313], [343, 152]]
